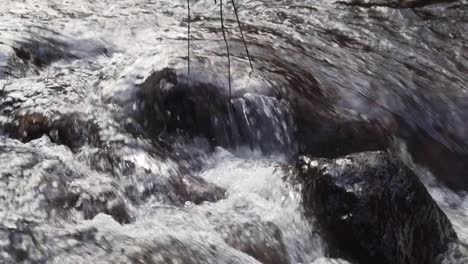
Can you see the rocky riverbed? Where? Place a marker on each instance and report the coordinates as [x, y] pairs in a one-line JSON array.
[[346, 143]]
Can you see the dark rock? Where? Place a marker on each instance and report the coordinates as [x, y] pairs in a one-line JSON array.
[[265, 122], [40, 52], [373, 209], [175, 190], [71, 130], [254, 120], [151, 93], [74, 131], [107, 202], [22, 53], [202, 109], [261, 240], [28, 126], [445, 156], [196, 189], [324, 133]]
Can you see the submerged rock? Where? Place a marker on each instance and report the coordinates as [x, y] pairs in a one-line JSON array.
[[195, 189], [373, 209], [145, 175], [20, 244], [326, 134], [445, 156], [261, 240], [107, 199], [199, 110], [329, 261], [53, 188], [74, 131], [27, 127], [33, 183]]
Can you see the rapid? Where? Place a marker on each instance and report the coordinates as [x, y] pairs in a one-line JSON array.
[[104, 188]]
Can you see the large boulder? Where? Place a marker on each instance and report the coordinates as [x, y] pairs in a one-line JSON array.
[[254, 120], [199, 109], [74, 131], [372, 209]]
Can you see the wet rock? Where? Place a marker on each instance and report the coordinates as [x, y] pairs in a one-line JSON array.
[[447, 162], [94, 242], [53, 189], [261, 240], [71, 130], [373, 209], [200, 109], [144, 175], [175, 190], [325, 131], [74, 131], [20, 244], [265, 122], [107, 201], [44, 178], [196, 189], [172, 251], [144, 243], [254, 120], [329, 261], [151, 93], [40, 52], [327, 134], [27, 127]]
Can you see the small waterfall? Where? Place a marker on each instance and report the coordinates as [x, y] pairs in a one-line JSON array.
[[257, 121]]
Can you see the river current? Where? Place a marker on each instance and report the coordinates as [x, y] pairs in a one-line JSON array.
[[368, 62]]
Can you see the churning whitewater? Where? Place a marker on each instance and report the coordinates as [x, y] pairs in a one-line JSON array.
[[99, 166]]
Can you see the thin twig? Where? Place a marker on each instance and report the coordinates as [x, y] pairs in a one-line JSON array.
[[227, 46], [188, 38], [229, 69], [242, 34]]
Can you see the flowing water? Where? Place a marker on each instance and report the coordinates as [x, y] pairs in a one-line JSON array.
[[89, 58]]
